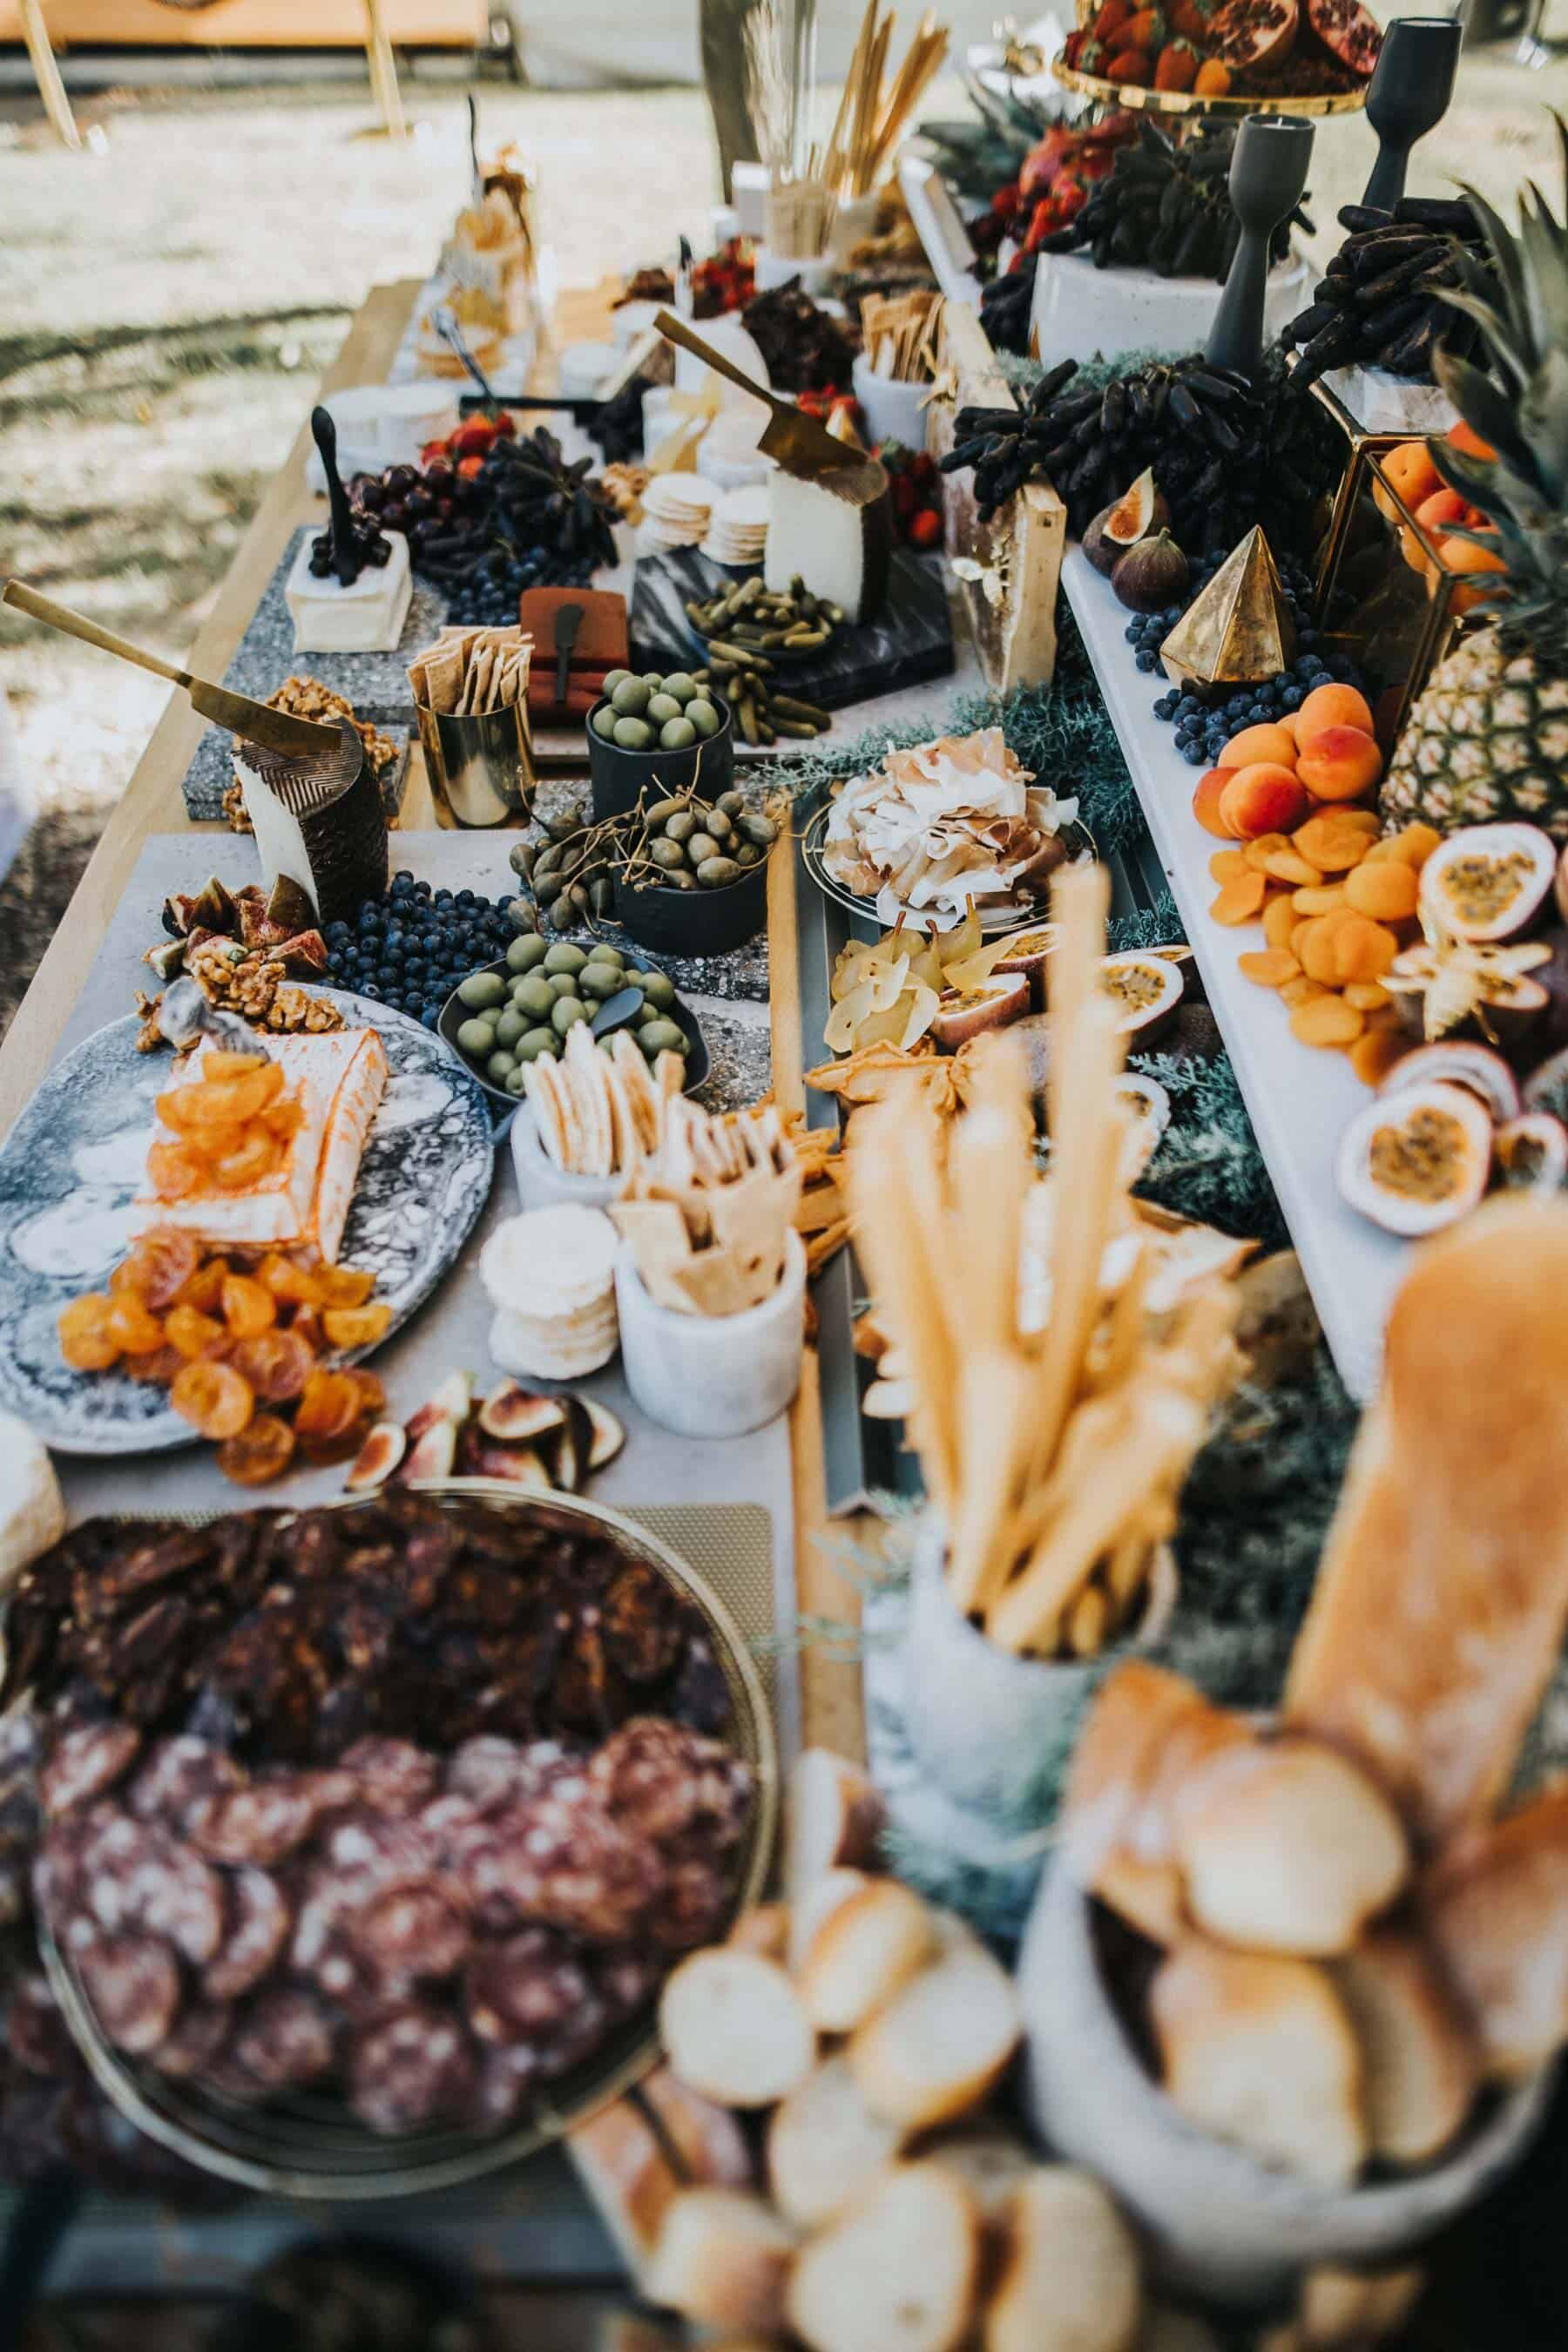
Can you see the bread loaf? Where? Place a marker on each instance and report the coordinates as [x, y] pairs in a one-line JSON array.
[[862, 1953], [899, 2272], [826, 2147], [708, 2147], [1070, 2279], [1496, 1906], [1257, 2049], [1442, 1594], [941, 2044], [723, 2260], [835, 1816], [990, 2161], [1285, 1846], [1420, 2058], [618, 2158], [733, 2028]]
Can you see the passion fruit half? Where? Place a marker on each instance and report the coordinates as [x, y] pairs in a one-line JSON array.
[[964, 1012], [1417, 1160], [1489, 882], [1457, 1064], [1532, 1153], [1147, 990]]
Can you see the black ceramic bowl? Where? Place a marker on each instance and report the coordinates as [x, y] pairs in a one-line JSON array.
[[454, 1013], [695, 922], [618, 776]]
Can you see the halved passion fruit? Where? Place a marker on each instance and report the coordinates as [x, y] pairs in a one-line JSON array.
[[1029, 952], [1486, 1074], [1125, 522], [1451, 985], [1489, 882], [1416, 1161], [1149, 1109], [1532, 1153], [964, 1012], [1146, 988]]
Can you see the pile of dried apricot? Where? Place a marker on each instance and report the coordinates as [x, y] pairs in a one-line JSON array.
[[235, 1343], [1337, 904], [230, 1128]]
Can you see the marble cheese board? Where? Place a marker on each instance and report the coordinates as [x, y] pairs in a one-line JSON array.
[[377, 684], [75, 1159]]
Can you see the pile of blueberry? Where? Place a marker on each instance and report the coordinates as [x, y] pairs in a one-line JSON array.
[[410, 948], [487, 596], [1204, 729]]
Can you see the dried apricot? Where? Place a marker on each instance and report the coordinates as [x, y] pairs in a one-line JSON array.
[[1376, 1051], [172, 1172], [1386, 891], [258, 1453], [307, 1321], [343, 1285], [134, 1330], [355, 1327], [1317, 951], [1320, 899], [276, 1363], [1240, 901], [1227, 864], [203, 1291], [1327, 1021], [1280, 919], [1265, 846], [85, 1341], [1288, 865], [1301, 990], [248, 1307], [214, 1399], [163, 1261], [1332, 844], [1367, 995], [1269, 967], [188, 1329], [331, 1407], [1361, 949]]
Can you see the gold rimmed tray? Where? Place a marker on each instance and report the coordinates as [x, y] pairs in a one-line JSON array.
[[309, 2145], [1229, 109]]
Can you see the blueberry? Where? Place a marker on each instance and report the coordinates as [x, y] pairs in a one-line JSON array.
[[1306, 639], [369, 988], [429, 1015], [443, 898], [1132, 632], [1145, 657], [1196, 755], [1294, 697]]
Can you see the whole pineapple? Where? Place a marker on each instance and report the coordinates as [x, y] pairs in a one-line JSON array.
[[1488, 737]]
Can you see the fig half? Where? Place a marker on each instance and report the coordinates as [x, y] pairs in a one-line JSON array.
[[1418, 1159], [377, 1458], [510, 1413], [1489, 882], [1125, 522]]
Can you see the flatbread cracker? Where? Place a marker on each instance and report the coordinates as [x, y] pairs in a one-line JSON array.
[[443, 669], [647, 1104], [538, 1080]]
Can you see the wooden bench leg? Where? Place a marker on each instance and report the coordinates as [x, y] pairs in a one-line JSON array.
[[51, 88]]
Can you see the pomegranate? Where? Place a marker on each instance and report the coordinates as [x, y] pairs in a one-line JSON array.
[[1348, 31], [1256, 34]]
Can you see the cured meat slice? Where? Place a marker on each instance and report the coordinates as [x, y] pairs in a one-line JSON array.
[[674, 1786], [528, 1987], [285, 2039], [133, 1987], [258, 1823], [393, 1776], [625, 1980], [192, 2048], [507, 2078], [86, 1762], [179, 1779], [414, 2070], [567, 1864], [256, 1926], [138, 1878], [411, 1934], [36, 2034], [495, 1773], [692, 1906]]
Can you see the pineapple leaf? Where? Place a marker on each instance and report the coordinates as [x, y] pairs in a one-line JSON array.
[[1543, 418], [1483, 405], [1545, 260], [1503, 247], [1495, 333]]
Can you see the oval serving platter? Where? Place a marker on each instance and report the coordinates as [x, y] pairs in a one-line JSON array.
[[72, 1163], [994, 921]]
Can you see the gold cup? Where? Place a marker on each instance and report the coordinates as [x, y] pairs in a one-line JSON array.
[[480, 767]]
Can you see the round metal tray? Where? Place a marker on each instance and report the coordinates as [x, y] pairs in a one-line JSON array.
[[1188, 101], [994, 922], [309, 2145]]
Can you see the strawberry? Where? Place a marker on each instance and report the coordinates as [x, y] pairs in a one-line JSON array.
[[925, 528], [1176, 66], [1111, 14], [1188, 21], [1146, 30], [1212, 78], [472, 465], [1135, 66]]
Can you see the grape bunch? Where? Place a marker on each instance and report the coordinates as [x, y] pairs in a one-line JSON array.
[[1166, 208], [1382, 300]]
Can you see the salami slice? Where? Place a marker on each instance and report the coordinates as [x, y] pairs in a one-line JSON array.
[[259, 1824], [664, 1782], [285, 2039], [507, 2078], [692, 1907], [414, 2070], [568, 1864], [382, 1849], [86, 1762], [413, 1934], [181, 1779], [256, 1926], [626, 1979], [133, 1987], [200, 2035], [393, 1776], [36, 2034], [494, 1773], [351, 1981], [141, 1879], [526, 1988]]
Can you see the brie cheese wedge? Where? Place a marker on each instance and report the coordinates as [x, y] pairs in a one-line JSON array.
[[367, 618], [33, 1513]]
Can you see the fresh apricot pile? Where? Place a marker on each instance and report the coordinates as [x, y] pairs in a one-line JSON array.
[[1442, 513], [234, 1343], [1336, 903], [229, 1129]]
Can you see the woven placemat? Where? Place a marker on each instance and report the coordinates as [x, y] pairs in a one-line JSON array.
[[730, 1547]]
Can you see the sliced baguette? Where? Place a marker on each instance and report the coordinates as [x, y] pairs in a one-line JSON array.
[[827, 1895], [723, 2259], [826, 2147], [835, 1817], [1345, 2311], [763, 1930], [1438, 1609], [1420, 2056], [733, 2028], [1257, 2049], [942, 2042], [624, 2170], [862, 1953], [707, 2144], [1496, 1906], [900, 2273], [990, 2162], [1070, 2278], [1285, 1846]]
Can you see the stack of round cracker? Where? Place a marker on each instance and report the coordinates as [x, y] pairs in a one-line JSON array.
[[551, 1276], [675, 510]]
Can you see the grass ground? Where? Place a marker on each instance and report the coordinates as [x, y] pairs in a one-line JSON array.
[[168, 301]]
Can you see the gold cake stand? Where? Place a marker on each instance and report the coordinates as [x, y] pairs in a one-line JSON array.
[[1189, 102]]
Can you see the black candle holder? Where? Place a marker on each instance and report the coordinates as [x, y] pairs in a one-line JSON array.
[[1408, 96], [1267, 175]]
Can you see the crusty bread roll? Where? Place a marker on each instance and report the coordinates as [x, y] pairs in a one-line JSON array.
[[621, 2163], [1441, 1598], [1348, 2311], [939, 2046], [826, 2147], [862, 1953], [1285, 1846], [1420, 2058], [1070, 2279], [1495, 1906], [763, 1930], [1258, 2048], [834, 1816], [708, 2147], [733, 2028], [723, 2259], [822, 1898], [899, 2272], [989, 2160]]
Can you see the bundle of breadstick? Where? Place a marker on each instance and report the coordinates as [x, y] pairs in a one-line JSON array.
[[900, 333], [708, 1213], [1055, 1457], [469, 671]]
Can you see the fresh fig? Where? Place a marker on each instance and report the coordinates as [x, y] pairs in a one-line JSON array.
[[1253, 35], [511, 1413], [1457, 1064], [1418, 1159], [1125, 522], [431, 1453], [1146, 989], [1151, 575], [1348, 31], [453, 1401], [1490, 881], [608, 1436], [377, 1458], [511, 1465], [1532, 1153]]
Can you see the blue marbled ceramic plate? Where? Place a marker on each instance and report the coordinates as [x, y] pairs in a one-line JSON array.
[[73, 1160]]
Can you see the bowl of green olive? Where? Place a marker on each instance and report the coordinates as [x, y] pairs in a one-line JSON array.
[[505, 1014], [657, 728]]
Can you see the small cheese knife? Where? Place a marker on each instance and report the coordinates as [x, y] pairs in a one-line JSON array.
[[796, 440], [275, 731], [568, 621]]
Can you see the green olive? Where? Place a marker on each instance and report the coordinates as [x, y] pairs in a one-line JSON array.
[[500, 1068], [615, 678], [534, 996], [661, 707], [659, 812], [748, 854], [634, 735], [478, 1037], [569, 1010], [525, 951], [515, 1081], [599, 980], [700, 714], [535, 1042], [481, 990], [677, 735], [563, 984], [681, 685], [511, 1026], [630, 698], [659, 990], [603, 723], [661, 1037], [562, 957], [653, 679]]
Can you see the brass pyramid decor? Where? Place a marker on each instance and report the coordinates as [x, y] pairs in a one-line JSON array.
[[1239, 630]]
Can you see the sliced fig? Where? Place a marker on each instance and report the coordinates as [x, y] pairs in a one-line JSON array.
[[289, 909], [1349, 32], [964, 1012], [1531, 1153], [608, 1435], [167, 958], [1029, 952], [1147, 989], [1416, 1161], [377, 1458], [1451, 986], [303, 952], [511, 1412], [1253, 35], [1489, 882], [431, 1453], [1486, 1074], [574, 1446], [1125, 522], [453, 1401], [514, 1465]]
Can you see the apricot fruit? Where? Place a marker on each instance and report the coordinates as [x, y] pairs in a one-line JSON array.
[[1408, 470], [1261, 798], [1468, 442], [1463, 555], [1266, 744], [1206, 802], [1331, 706], [1340, 763]]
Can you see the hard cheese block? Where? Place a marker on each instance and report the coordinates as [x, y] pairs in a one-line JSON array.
[[835, 532], [364, 619]]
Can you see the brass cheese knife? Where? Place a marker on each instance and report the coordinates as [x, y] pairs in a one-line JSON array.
[[799, 442], [275, 731]]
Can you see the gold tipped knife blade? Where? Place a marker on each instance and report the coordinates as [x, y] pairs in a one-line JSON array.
[[796, 440], [274, 731]]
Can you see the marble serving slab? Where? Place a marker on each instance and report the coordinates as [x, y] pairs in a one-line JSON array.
[[910, 644], [377, 684], [211, 771]]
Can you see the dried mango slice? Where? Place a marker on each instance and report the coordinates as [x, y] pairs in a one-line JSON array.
[[257, 1454], [85, 1341], [355, 1327], [214, 1399]]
